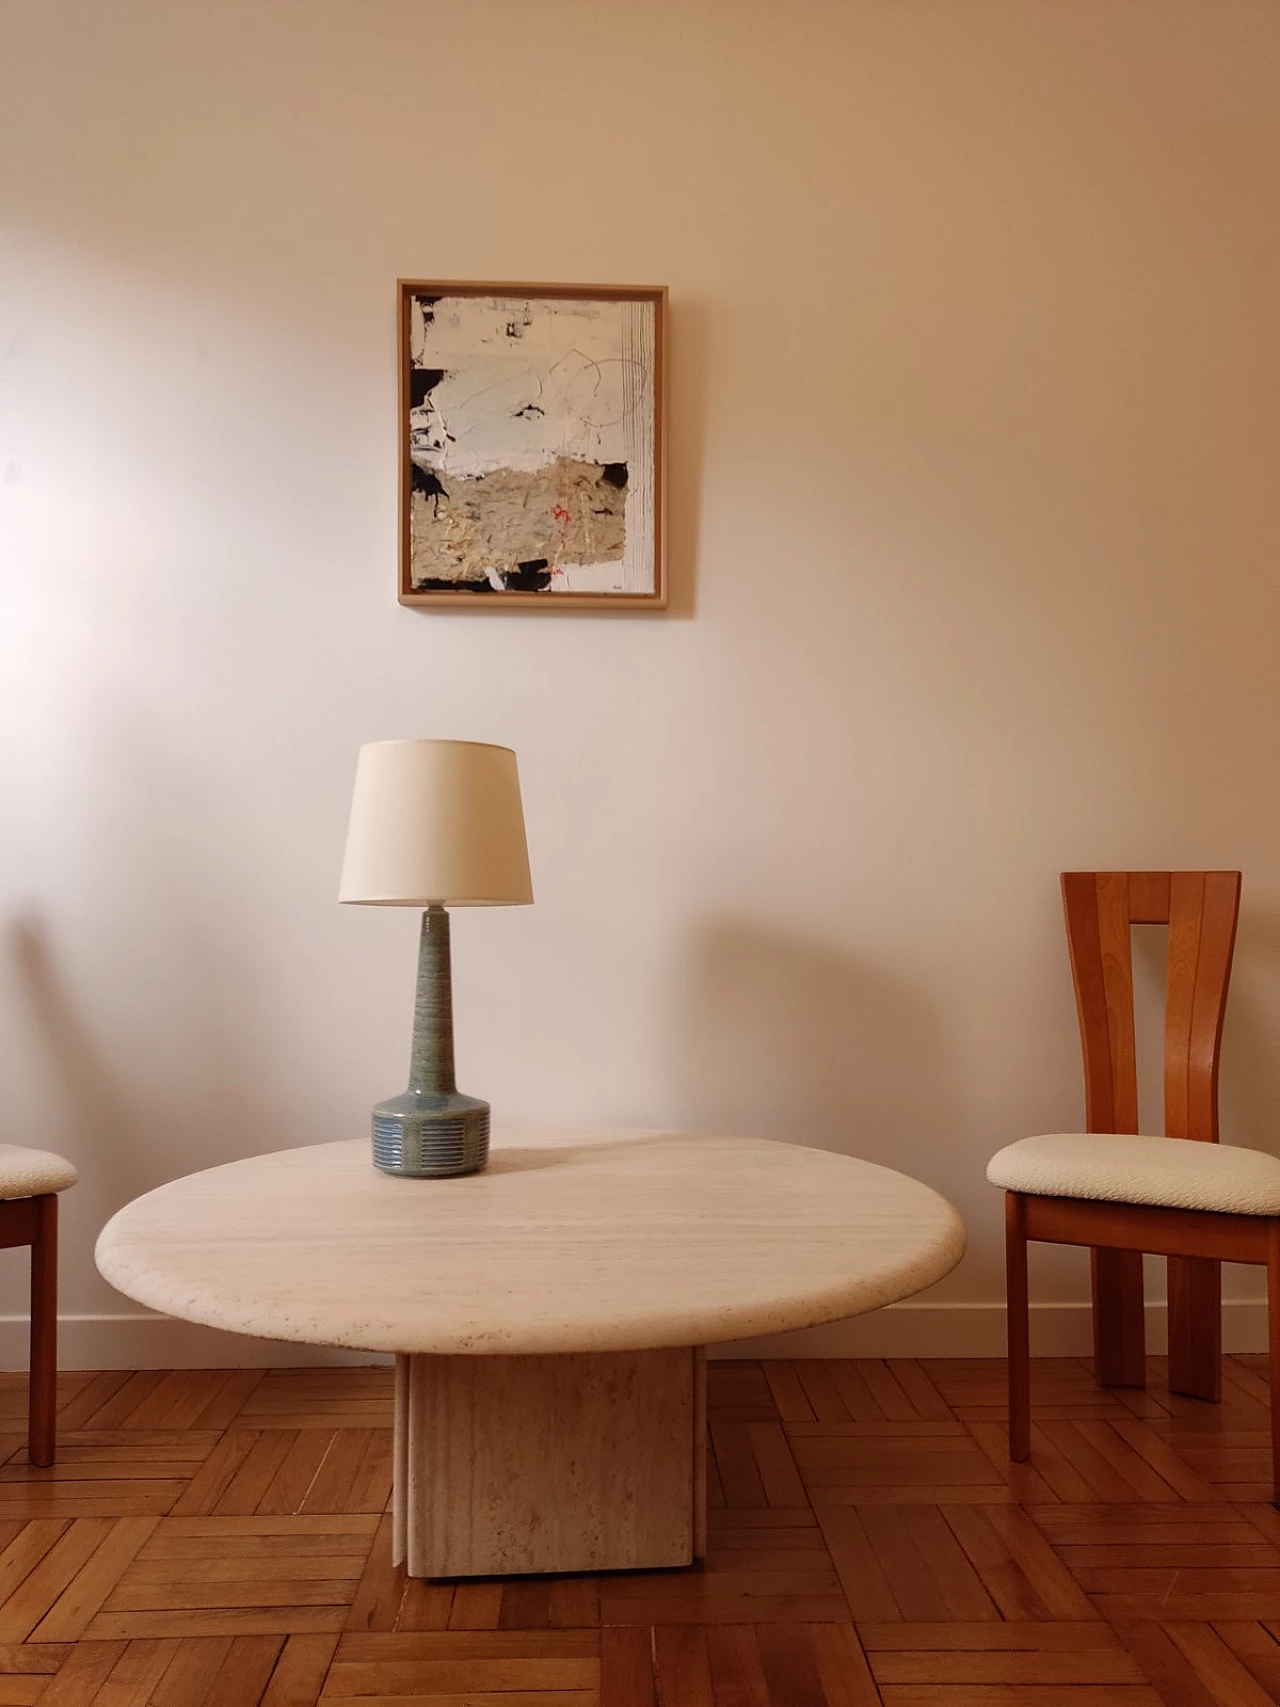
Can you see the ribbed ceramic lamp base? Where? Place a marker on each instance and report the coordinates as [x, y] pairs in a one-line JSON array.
[[431, 1130], [450, 1136]]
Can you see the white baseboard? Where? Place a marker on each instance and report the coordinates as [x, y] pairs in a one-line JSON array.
[[137, 1339], [978, 1330], [140, 1340]]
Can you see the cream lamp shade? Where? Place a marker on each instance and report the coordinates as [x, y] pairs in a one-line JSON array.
[[436, 823]]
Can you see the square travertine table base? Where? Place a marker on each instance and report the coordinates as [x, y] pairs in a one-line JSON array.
[[590, 1461]]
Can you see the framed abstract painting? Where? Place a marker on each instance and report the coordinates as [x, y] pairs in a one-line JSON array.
[[531, 445]]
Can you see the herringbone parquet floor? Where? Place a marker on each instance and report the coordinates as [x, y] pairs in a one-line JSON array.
[[220, 1539]]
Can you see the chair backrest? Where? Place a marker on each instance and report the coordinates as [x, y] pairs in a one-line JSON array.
[[1200, 909]]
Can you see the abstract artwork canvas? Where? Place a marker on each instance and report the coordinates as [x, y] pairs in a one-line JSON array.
[[531, 445]]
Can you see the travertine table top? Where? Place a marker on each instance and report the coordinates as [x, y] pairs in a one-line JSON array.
[[568, 1242]]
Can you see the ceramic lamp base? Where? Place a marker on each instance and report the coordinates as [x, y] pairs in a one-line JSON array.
[[423, 1136]]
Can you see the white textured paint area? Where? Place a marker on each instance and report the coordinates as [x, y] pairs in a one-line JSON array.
[[527, 381], [532, 386]]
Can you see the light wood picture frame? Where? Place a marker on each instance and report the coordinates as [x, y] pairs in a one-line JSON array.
[[532, 445]]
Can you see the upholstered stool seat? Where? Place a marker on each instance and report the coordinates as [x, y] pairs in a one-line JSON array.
[[1168, 1173], [28, 1173], [30, 1181]]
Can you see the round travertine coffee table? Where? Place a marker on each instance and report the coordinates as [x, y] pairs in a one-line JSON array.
[[548, 1315]]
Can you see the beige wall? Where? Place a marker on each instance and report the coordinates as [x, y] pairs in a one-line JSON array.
[[974, 532]]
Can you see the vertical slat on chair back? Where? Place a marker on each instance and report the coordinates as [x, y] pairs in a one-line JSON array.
[[1203, 908], [1097, 909], [1200, 909]]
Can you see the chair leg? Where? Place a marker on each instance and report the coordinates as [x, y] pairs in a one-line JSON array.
[[1195, 1327], [1019, 1325], [43, 1401], [1273, 1348], [1119, 1330]]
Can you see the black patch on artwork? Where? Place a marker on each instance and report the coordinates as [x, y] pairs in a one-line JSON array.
[[427, 305], [531, 577], [436, 584], [427, 483], [529, 411], [615, 474], [422, 382]]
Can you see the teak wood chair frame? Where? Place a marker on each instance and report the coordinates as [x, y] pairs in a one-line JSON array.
[[1200, 909], [34, 1221]]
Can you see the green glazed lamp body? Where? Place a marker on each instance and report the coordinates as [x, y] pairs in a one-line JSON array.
[[432, 1131]]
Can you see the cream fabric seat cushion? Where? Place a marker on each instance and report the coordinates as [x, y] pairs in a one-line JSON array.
[[1169, 1173], [30, 1173]]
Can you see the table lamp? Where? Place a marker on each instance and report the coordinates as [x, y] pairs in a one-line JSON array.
[[434, 824]]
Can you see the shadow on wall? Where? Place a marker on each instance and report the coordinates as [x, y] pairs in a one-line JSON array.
[[779, 1036], [93, 1113]]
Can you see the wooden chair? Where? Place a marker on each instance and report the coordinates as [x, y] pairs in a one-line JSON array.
[[1183, 1196], [30, 1181]]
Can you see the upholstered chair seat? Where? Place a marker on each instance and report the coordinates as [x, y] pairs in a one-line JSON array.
[[1168, 1173], [28, 1173]]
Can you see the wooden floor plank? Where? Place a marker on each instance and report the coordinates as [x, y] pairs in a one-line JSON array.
[[355, 1474], [1023, 1695], [776, 1466], [1025, 1481], [289, 1487], [787, 1391], [1256, 1649], [380, 1591], [736, 1462], [450, 1675], [300, 1672], [83, 1675], [261, 1464], [132, 1395], [1020, 1570], [71, 1613], [737, 1667], [188, 1680], [179, 1399], [475, 1606], [1009, 1665], [627, 1668], [75, 1411], [789, 1663], [867, 1591], [137, 1674], [245, 1671], [58, 1567], [228, 1397], [824, 1399], [842, 1666], [1165, 1666], [218, 1621], [961, 1637], [682, 1666], [424, 1606], [575, 1603], [202, 1494]]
